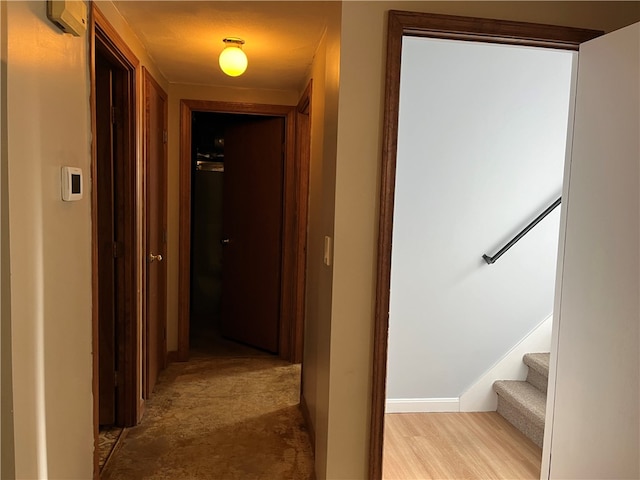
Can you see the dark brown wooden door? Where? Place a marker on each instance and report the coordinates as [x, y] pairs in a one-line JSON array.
[[106, 237], [116, 254], [252, 229], [156, 219]]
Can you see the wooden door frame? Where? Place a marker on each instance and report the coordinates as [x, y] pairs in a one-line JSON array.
[[293, 225], [401, 23], [148, 81], [102, 33], [301, 184]]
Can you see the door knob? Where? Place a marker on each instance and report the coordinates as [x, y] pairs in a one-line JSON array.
[[153, 257], [225, 241]]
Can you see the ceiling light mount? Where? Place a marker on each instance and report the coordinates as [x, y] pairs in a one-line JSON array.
[[232, 60], [233, 41]]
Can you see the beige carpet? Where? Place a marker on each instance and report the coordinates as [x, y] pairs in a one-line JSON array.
[[107, 440], [219, 418]]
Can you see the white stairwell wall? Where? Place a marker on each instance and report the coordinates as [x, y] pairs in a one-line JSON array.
[[480, 397], [481, 148]]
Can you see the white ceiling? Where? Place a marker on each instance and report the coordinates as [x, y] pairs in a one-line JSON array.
[[184, 39]]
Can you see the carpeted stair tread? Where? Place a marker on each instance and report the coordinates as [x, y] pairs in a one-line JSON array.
[[524, 397], [538, 362]]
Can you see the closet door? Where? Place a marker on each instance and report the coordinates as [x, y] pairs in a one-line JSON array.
[[593, 409], [156, 224], [252, 228]]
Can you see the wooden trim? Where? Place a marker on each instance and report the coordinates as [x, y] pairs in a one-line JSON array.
[[114, 38], [102, 33], [288, 268], [289, 239], [143, 240], [165, 214], [490, 30], [302, 169], [237, 107], [184, 240], [94, 250], [402, 23], [385, 231]]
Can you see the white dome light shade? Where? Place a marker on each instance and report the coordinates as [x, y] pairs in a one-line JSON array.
[[233, 60]]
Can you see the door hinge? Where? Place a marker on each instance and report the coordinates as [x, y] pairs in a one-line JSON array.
[[114, 115], [115, 379], [165, 136], [116, 250]]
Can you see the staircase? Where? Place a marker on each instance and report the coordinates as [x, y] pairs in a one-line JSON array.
[[523, 403]]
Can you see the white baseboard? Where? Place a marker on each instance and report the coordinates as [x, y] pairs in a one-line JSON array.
[[480, 397], [422, 405]]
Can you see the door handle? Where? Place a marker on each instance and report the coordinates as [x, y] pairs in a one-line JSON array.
[[153, 257], [225, 241]]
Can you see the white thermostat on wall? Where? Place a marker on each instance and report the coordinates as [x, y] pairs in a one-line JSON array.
[[71, 184]]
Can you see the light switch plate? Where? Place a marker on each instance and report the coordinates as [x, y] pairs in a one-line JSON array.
[[327, 251]]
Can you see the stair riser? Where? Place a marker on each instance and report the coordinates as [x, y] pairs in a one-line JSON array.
[[520, 421], [537, 380], [538, 362]]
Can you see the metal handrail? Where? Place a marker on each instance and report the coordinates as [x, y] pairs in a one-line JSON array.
[[525, 230]]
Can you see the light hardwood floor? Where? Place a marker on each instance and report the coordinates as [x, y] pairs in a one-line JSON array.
[[457, 446]]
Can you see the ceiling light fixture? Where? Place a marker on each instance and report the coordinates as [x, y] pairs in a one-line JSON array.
[[232, 60]]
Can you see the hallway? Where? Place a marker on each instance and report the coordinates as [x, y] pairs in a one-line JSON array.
[[233, 415]]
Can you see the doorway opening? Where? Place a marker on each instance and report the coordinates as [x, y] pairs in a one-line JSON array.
[[236, 231], [444, 27], [114, 200], [263, 202]]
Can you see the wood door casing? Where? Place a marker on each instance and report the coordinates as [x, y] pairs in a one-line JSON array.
[[301, 184], [105, 41], [105, 227], [114, 262], [402, 23], [290, 238], [252, 225], [155, 167]]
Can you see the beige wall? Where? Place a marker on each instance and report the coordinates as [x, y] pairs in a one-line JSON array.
[[6, 398], [178, 92], [48, 126], [317, 338], [356, 198]]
